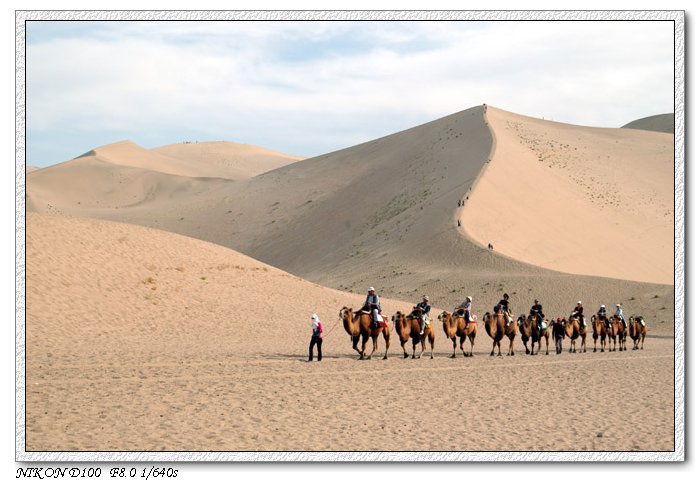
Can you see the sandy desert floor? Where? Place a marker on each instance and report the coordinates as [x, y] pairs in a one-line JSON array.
[[142, 340]]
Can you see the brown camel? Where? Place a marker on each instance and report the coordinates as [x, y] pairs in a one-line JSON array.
[[600, 330], [615, 333], [457, 326], [409, 327], [497, 328], [637, 332], [621, 332], [530, 331], [573, 330], [359, 325]]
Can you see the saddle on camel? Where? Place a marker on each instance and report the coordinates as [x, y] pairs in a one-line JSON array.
[[373, 307]]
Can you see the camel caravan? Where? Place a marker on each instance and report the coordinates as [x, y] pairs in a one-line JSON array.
[[369, 323]]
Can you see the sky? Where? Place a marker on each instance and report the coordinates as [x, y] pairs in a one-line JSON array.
[[308, 88]]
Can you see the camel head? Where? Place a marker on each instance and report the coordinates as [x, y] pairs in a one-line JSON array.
[[521, 320], [445, 317], [398, 316]]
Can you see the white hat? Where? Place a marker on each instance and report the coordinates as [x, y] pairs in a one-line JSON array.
[[314, 317], [602, 306], [425, 297], [578, 302], [469, 298], [371, 288], [617, 305]]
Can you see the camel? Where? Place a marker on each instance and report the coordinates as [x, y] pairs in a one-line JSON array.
[[573, 330], [531, 331], [621, 333], [359, 325], [495, 325], [637, 331], [409, 327], [600, 330], [615, 333], [457, 326]]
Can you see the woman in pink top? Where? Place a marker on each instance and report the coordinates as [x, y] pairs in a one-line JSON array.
[[316, 337]]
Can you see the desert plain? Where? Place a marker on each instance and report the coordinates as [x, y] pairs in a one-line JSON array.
[[169, 291]]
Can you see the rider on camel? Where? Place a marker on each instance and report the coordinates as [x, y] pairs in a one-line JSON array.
[[578, 313], [372, 304], [425, 306], [503, 305], [467, 307], [536, 310]]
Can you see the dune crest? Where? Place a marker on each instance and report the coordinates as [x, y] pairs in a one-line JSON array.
[[577, 199], [229, 160]]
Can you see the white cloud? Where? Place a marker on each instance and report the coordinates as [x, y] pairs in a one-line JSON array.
[[235, 80]]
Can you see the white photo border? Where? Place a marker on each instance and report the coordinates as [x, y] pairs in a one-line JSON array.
[[677, 16]]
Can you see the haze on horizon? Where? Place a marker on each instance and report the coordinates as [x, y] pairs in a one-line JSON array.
[[308, 88]]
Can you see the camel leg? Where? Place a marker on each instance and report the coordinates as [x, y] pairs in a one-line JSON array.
[[364, 346], [583, 344], [414, 348], [355, 340], [546, 339], [462, 339], [422, 347], [527, 349], [471, 342], [454, 347], [511, 350], [499, 347], [432, 345], [493, 349], [643, 336], [387, 342], [403, 346], [374, 347]]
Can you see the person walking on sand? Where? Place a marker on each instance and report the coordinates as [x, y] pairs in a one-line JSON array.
[[316, 337], [559, 331]]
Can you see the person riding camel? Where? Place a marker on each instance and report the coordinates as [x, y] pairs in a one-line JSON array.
[[425, 306], [536, 310], [618, 312], [602, 314], [373, 305], [467, 307], [503, 305], [578, 313]]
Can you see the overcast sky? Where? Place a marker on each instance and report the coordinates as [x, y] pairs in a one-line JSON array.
[[308, 88]]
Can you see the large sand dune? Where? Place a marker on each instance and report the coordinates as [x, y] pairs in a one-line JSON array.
[[138, 339], [577, 199], [657, 123], [229, 160], [385, 213]]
